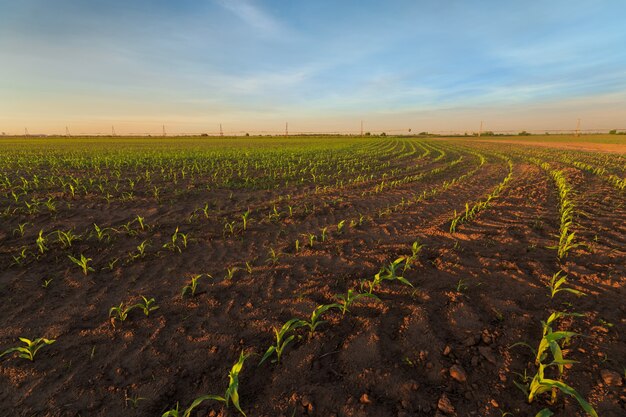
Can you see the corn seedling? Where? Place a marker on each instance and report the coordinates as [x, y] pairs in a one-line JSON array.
[[273, 257], [316, 316], [283, 338], [46, 283], [340, 226], [141, 220], [311, 237], [101, 233], [191, 288], [83, 263], [119, 312], [345, 301], [245, 219], [248, 267], [556, 285], [20, 229], [461, 286], [231, 394], [230, 272], [147, 305], [297, 245], [41, 242], [324, 231], [30, 349]]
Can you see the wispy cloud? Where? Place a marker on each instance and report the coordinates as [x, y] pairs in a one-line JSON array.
[[253, 15]]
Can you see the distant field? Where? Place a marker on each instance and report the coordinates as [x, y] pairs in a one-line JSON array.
[[410, 267]]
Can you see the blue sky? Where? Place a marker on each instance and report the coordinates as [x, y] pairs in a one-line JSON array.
[[320, 65]]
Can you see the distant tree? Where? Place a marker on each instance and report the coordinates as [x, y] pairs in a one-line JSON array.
[[247, 134], [523, 133], [383, 134], [488, 133], [613, 132], [423, 133], [204, 134], [367, 134]]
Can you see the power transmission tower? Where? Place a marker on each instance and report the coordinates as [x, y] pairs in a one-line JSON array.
[[480, 131], [26, 132], [286, 129], [112, 130], [578, 128], [67, 131], [361, 128], [164, 134], [221, 131]]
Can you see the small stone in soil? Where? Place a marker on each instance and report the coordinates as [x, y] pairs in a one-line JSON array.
[[445, 405], [611, 378], [365, 399], [457, 373]]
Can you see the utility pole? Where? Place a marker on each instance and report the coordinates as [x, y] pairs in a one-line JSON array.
[[67, 131], [480, 132], [578, 128], [221, 131], [164, 134], [286, 129]]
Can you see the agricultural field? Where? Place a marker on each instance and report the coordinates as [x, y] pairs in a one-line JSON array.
[[312, 276]]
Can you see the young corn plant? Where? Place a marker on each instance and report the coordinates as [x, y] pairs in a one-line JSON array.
[[30, 348], [245, 218], [230, 272], [273, 257], [19, 230], [102, 233], [230, 396], [120, 312], [415, 250], [388, 273], [283, 338], [340, 227], [147, 305], [316, 316], [67, 238], [41, 242], [83, 263], [557, 283], [193, 285], [346, 300]]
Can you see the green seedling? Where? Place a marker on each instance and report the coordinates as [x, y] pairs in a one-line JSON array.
[[191, 288], [30, 349], [141, 249], [273, 257], [297, 245], [41, 242], [82, 263], [556, 285], [350, 298], [46, 283], [324, 234], [340, 226], [230, 396], [230, 272], [245, 219], [540, 384], [120, 313], [248, 267], [141, 220], [461, 286], [101, 233], [283, 338], [147, 305], [20, 229], [311, 237], [316, 316]]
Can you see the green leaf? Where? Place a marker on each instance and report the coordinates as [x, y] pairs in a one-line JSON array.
[[546, 412]]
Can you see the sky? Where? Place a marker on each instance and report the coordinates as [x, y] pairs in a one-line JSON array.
[[319, 65]]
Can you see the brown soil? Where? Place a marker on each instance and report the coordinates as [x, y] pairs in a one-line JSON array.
[[424, 351]]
